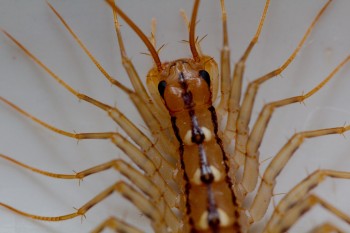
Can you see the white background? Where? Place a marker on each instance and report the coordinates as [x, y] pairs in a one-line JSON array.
[[22, 82]]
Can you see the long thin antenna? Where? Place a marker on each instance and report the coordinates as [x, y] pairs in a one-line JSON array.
[[138, 31], [193, 30]]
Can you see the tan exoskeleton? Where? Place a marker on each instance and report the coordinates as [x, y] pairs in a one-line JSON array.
[[188, 177]]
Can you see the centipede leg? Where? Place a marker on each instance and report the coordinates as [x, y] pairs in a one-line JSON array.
[[268, 181], [225, 61], [140, 138], [133, 75], [153, 123], [326, 228], [116, 225], [293, 214], [250, 94], [299, 193], [147, 186], [158, 127], [157, 169], [187, 23], [160, 222], [152, 37], [251, 167], [231, 92]]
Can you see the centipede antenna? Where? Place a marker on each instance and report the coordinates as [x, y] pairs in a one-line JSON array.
[[193, 31], [138, 31]]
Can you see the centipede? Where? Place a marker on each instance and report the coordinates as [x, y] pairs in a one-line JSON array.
[[186, 116]]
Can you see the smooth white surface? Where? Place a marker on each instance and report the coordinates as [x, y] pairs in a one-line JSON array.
[[28, 86]]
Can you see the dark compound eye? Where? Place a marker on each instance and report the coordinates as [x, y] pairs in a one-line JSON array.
[[161, 88], [205, 75]]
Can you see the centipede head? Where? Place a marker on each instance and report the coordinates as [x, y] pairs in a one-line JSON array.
[[184, 84]]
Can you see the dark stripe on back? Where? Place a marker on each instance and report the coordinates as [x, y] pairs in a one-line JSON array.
[[185, 176], [226, 161], [207, 176]]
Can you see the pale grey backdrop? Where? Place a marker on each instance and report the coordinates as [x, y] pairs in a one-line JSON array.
[[22, 82]]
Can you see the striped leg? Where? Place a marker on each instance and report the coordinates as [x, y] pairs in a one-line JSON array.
[[137, 178], [154, 157], [268, 181], [152, 114], [187, 23], [152, 37], [160, 221], [144, 106], [116, 225], [293, 214], [296, 201], [251, 167], [158, 170], [250, 94], [231, 92], [139, 138], [326, 228]]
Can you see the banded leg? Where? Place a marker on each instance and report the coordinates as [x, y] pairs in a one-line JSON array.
[[296, 196], [225, 69], [117, 225], [130, 69], [326, 228], [137, 178], [293, 214], [187, 23], [152, 37], [231, 92], [250, 94], [131, 130], [160, 222], [156, 169], [143, 107], [268, 181], [251, 167]]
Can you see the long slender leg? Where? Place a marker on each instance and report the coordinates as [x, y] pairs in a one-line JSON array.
[[156, 169], [139, 138], [153, 33], [147, 108], [294, 213], [250, 94], [152, 37], [92, 58], [225, 61], [143, 107], [160, 221], [136, 177], [268, 181], [326, 228], [117, 225], [231, 92], [187, 23], [134, 77], [300, 191], [251, 167]]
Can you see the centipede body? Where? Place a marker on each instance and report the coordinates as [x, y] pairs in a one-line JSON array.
[[321, 54]]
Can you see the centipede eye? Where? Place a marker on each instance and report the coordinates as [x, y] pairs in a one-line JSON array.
[[161, 88], [205, 75]]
